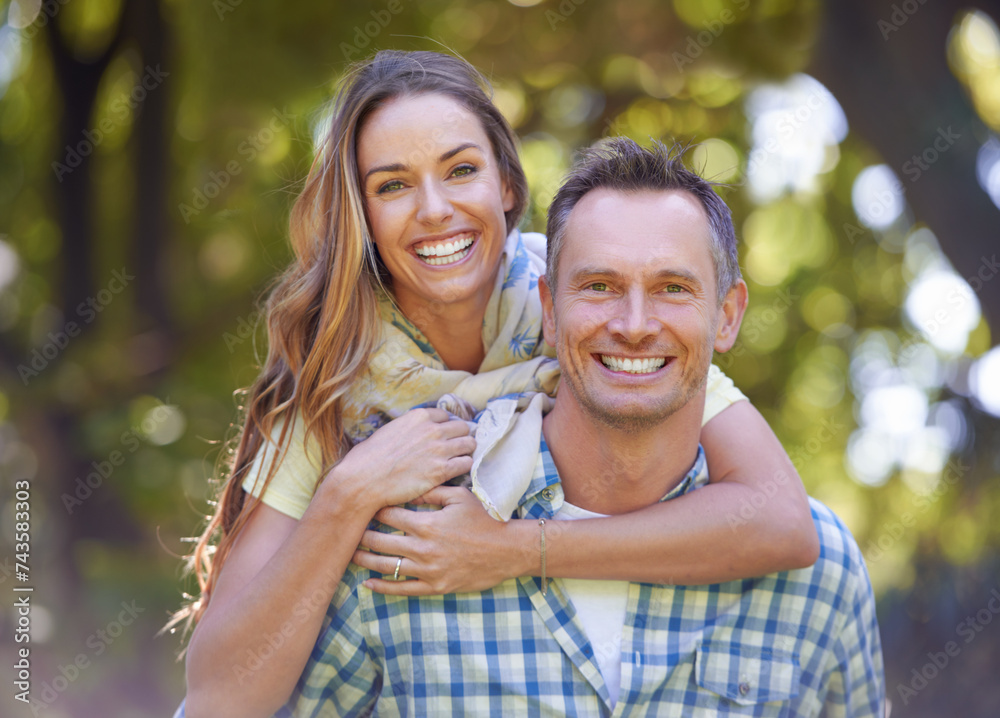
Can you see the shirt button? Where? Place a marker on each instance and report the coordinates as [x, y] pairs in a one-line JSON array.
[[744, 688], [548, 494]]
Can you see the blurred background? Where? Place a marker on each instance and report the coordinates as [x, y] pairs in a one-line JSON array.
[[149, 155]]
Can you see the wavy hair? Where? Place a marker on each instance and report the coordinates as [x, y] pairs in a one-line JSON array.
[[321, 314]]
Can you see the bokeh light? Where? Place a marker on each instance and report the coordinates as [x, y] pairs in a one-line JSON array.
[[21, 13], [944, 309], [988, 168], [716, 160], [9, 264], [974, 54], [794, 125], [877, 196], [985, 381], [11, 52], [899, 409]]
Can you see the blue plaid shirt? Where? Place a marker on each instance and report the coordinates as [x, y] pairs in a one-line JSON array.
[[798, 643]]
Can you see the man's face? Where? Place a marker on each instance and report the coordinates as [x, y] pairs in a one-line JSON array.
[[635, 316]]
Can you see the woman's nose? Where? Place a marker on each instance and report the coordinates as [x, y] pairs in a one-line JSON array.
[[434, 204]]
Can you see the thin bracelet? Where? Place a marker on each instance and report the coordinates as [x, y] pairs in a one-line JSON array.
[[545, 581]]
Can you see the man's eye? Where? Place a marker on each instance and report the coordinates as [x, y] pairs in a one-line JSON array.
[[599, 287], [390, 186], [674, 289]]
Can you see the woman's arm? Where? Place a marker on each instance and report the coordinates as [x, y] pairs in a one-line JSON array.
[[251, 645], [753, 519]]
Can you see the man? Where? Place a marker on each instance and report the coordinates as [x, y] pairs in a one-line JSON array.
[[642, 286]]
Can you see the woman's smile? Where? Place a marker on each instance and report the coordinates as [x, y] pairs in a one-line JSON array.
[[438, 252]]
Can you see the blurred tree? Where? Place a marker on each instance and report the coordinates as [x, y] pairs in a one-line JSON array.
[[888, 65]]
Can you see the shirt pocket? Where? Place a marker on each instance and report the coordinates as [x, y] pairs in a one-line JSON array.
[[747, 675]]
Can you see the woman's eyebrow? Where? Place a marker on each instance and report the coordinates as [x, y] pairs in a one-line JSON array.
[[452, 152], [399, 167]]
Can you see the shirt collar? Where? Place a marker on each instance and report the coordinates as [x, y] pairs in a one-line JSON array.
[[544, 495]]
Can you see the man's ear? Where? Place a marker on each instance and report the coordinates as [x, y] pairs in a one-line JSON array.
[[548, 311], [733, 307]]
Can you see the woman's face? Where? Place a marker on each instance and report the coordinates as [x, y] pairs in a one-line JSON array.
[[435, 200]]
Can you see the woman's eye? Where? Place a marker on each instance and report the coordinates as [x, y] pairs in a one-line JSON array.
[[390, 186], [463, 171]]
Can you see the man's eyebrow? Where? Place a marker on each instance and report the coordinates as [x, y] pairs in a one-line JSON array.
[[665, 273], [400, 167]]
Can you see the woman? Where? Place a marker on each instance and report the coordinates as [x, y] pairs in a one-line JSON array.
[[411, 282]]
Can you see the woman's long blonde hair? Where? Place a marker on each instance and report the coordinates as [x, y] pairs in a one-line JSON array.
[[322, 312]]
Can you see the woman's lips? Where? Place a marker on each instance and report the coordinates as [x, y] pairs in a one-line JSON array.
[[442, 252]]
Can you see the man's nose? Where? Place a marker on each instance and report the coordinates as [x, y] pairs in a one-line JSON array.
[[634, 319]]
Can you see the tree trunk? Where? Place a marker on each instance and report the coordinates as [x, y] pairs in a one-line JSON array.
[[889, 71]]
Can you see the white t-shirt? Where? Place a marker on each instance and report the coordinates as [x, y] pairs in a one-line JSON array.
[[601, 607]]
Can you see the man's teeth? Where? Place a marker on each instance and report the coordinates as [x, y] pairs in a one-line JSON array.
[[633, 366], [445, 252]]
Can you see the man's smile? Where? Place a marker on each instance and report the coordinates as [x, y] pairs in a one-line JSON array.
[[632, 365]]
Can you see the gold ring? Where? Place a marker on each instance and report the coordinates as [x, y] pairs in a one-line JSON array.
[[399, 562]]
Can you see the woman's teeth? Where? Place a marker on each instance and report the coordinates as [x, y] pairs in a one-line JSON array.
[[445, 252], [633, 366]]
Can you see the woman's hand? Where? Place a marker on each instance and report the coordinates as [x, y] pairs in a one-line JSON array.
[[404, 459], [457, 549]]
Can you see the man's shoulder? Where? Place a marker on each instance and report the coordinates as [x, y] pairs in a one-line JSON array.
[[840, 567], [836, 542]]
